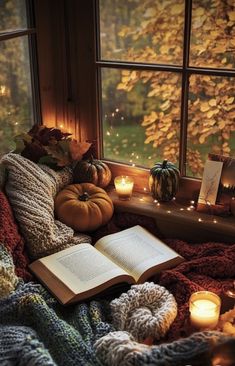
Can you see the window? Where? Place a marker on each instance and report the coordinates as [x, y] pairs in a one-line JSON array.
[[166, 79], [16, 97]]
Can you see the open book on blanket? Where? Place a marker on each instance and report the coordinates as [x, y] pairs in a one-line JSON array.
[[82, 271]]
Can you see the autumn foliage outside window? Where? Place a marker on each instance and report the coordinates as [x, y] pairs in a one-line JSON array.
[[156, 58]]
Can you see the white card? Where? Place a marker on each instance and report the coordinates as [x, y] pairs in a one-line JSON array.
[[210, 182]]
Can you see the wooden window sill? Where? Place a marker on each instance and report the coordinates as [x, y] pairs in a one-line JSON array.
[[174, 220]]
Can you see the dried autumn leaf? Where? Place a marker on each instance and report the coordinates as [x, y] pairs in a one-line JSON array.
[[212, 102], [78, 149], [229, 100], [204, 107]]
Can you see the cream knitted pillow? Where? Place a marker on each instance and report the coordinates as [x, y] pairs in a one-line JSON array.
[[31, 189]]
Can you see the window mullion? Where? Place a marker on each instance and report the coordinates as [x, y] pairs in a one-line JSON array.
[[185, 86]]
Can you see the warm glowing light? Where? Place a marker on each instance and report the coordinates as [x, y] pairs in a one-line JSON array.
[[168, 211], [124, 186], [158, 204], [132, 164], [155, 201], [215, 221], [108, 133], [192, 202], [141, 199], [181, 209], [174, 198], [200, 220], [116, 110], [204, 307], [113, 114], [145, 189]]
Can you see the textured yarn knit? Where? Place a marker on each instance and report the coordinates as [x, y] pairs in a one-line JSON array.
[[8, 279], [146, 310], [67, 332], [20, 346], [11, 238], [121, 349], [31, 190]]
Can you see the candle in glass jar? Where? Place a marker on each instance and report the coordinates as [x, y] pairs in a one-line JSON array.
[[204, 307], [124, 186]]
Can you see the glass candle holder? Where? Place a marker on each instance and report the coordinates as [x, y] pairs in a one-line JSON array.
[[204, 307], [124, 187]]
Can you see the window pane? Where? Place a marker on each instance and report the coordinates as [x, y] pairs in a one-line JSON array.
[[211, 127], [12, 15], [141, 116], [142, 30], [16, 112], [213, 34]]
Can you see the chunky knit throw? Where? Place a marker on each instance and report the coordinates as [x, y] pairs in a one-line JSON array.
[[67, 333], [121, 349], [21, 346], [8, 279], [31, 189], [144, 311], [11, 238]]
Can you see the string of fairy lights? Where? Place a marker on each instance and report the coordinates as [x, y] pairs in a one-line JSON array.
[[178, 207]]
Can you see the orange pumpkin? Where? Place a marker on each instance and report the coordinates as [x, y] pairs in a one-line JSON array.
[[83, 207]]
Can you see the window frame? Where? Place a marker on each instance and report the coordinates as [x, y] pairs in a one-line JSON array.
[[189, 184], [30, 32]]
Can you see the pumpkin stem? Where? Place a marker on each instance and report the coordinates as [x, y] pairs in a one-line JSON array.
[[164, 163], [84, 197]]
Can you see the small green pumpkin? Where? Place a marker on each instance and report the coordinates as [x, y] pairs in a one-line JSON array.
[[92, 171], [164, 181]]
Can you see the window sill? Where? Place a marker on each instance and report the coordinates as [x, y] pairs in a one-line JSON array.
[[175, 220]]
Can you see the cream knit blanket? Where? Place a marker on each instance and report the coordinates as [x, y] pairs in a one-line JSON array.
[[31, 189]]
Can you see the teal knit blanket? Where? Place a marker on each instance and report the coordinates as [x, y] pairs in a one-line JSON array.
[[37, 330]]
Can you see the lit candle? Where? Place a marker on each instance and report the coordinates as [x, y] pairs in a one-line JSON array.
[[124, 186], [204, 307]]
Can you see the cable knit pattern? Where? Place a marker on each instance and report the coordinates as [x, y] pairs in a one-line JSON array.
[[8, 279], [121, 349], [145, 310], [31, 190]]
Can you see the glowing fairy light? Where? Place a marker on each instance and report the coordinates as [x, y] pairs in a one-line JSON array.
[[113, 114], [108, 133], [117, 134], [133, 165], [117, 110], [214, 221], [181, 209], [145, 189], [199, 220], [168, 211]]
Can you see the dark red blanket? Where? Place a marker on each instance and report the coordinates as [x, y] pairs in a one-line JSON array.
[[207, 266]]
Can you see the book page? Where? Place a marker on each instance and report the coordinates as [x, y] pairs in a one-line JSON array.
[[82, 267], [135, 250]]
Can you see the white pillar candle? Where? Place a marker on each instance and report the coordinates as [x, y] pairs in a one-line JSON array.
[[204, 307], [124, 186]]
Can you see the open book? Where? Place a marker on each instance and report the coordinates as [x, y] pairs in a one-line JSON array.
[[82, 271]]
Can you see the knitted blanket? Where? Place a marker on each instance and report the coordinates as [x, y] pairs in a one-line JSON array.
[[31, 189], [66, 335]]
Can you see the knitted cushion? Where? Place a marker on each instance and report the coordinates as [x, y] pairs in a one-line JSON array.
[[31, 189], [11, 238], [8, 279], [145, 310], [121, 349]]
